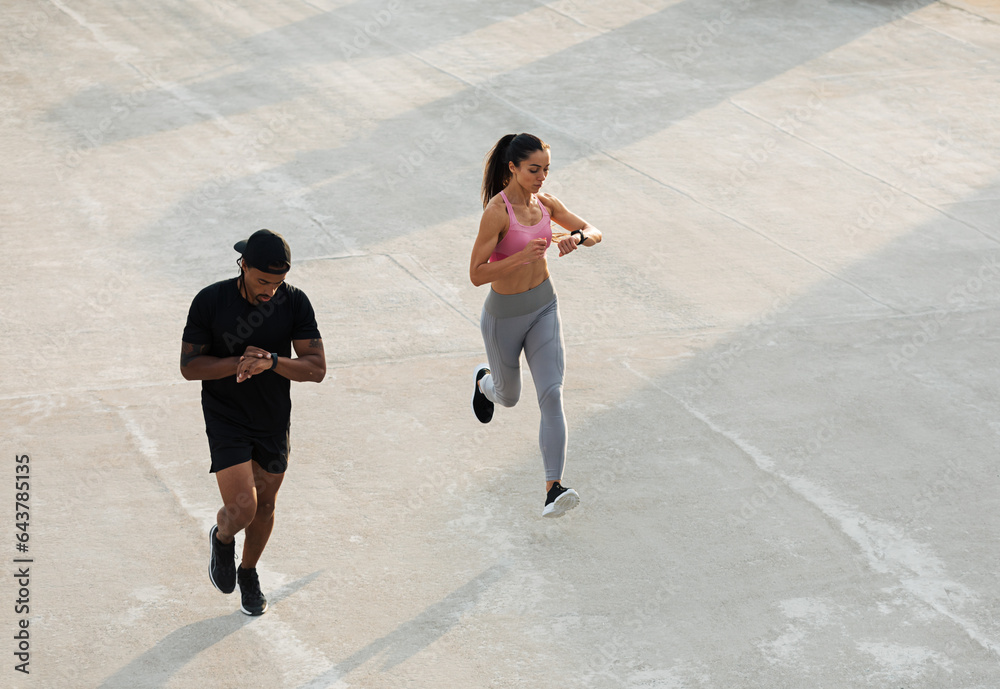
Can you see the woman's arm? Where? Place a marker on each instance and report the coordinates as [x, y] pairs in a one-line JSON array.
[[572, 222], [481, 271]]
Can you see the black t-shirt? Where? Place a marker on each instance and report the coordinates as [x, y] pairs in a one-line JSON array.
[[221, 318]]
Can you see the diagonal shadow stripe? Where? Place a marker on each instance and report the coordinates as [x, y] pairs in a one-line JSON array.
[[274, 61], [155, 667], [652, 80], [408, 154], [411, 637]]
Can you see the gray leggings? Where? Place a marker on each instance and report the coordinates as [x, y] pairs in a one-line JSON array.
[[528, 321]]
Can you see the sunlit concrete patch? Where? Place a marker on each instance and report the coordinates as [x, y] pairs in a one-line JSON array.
[[485, 55], [607, 16], [520, 594], [924, 141], [757, 173], [147, 601], [897, 662], [512, 43], [981, 8], [203, 35], [966, 21], [372, 90]]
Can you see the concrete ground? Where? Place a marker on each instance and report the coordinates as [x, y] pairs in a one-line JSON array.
[[782, 362]]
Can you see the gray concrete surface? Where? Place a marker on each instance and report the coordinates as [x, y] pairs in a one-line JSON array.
[[782, 362]]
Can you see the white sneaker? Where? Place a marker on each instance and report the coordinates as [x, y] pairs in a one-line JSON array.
[[559, 501]]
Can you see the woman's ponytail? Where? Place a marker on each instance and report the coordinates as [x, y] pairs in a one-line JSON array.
[[496, 173]]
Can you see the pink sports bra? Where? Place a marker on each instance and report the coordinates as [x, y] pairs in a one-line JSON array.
[[518, 235]]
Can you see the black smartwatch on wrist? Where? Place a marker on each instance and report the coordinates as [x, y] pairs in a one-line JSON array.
[[582, 237], [274, 360]]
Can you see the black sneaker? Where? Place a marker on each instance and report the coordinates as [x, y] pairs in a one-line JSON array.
[[222, 565], [253, 602], [482, 406], [560, 500]]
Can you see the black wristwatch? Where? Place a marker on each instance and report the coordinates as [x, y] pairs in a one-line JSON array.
[[274, 360], [583, 237]]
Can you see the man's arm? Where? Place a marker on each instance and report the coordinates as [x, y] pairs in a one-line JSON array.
[[196, 365], [310, 364]]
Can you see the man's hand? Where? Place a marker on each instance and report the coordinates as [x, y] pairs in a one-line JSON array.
[[254, 360]]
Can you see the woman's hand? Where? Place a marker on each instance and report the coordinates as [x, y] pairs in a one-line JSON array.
[[533, 251], [568, 244]]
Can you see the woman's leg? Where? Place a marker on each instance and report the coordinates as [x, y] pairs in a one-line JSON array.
[[543, 347], [504, 338]]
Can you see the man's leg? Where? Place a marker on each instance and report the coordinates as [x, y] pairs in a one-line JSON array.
[[239, 504], [253, 601], [259, 530], [239, 498]]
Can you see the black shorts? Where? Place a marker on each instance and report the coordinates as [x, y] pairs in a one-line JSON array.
[[230, 445]]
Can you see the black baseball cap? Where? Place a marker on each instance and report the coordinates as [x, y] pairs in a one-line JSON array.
[[264, 249]]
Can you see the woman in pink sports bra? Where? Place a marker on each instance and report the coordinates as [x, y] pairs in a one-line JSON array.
[[521, 312]]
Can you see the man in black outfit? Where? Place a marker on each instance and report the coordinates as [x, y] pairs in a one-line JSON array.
[[238, 341]]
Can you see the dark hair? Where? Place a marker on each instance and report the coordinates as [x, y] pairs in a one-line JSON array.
[[511, 148], [240, 280]]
